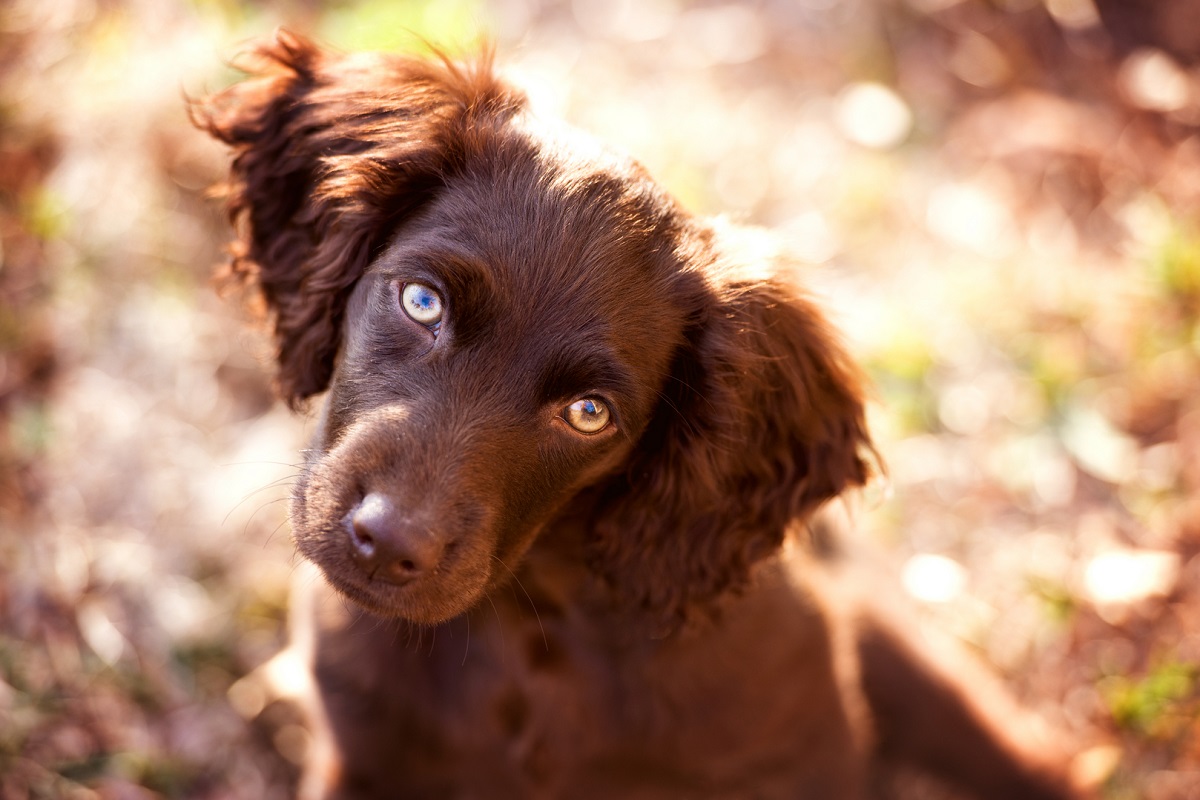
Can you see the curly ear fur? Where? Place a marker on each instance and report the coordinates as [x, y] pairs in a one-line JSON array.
[[330, 153], [761, 422]]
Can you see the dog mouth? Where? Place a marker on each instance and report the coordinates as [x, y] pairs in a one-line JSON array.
[[424, 599], [391, 562], [408, 603]]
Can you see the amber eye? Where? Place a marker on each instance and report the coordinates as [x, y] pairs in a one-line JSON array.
[[588, 415], [421, 304]]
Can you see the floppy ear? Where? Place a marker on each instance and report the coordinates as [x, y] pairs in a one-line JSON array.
[[330, 153], [761, 421]]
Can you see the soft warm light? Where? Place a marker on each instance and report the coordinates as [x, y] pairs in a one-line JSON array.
[[1152, 80], [724, 34], [972, 217], [1124, 575], [105, 639], [1099, 447], [873, 115], [933, 578]]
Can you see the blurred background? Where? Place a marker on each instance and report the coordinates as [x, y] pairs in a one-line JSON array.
[[997, 199]]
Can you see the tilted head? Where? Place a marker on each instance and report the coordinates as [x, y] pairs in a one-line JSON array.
[[512, 322]]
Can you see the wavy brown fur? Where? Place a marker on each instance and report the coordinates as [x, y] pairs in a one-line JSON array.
[[330, 153], [761, 423], [527, 579]]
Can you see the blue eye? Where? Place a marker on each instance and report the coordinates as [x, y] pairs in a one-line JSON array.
[[588, 415], [421, 304]]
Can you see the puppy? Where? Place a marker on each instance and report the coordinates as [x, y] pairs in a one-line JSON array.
[[571, 438]]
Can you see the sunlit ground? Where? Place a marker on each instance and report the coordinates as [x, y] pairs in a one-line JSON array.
[[997, 201]]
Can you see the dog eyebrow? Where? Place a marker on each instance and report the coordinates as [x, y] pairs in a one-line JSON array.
[[571, 373], [459, 271]]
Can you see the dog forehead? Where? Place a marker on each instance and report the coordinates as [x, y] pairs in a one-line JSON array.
[[592, 237]]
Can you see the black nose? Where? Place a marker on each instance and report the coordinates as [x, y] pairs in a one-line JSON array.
[[391, 546]]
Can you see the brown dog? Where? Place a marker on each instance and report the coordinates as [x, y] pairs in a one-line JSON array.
[[571, 437]]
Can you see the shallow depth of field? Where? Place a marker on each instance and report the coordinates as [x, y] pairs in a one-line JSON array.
[[999, 200]]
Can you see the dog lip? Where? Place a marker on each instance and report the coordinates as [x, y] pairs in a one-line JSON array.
[[369, 597], [395, 602]]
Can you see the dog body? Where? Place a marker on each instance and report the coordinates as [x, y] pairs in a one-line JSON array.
[[571, 437], [526, 697]]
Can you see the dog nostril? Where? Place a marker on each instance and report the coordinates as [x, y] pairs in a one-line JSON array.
[[365, 525], [362, 536], [398, 571]]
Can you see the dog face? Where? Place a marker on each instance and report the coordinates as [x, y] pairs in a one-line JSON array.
[[514, 324], [498, 357]]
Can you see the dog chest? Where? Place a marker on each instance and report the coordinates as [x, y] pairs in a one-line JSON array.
[[501, 703]]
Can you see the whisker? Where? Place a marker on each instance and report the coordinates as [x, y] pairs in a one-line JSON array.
[[396, 634], [246, 527], [275, 484], [271, 536], [536, 615], [467, 648], [500, 626], [351, 611]]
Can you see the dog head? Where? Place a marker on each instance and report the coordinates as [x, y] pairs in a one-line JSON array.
[[511, 321]]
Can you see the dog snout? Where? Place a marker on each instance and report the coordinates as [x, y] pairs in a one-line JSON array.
[[391, 546]]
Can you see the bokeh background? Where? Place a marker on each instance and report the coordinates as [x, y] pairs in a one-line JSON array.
[[997, 199]]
